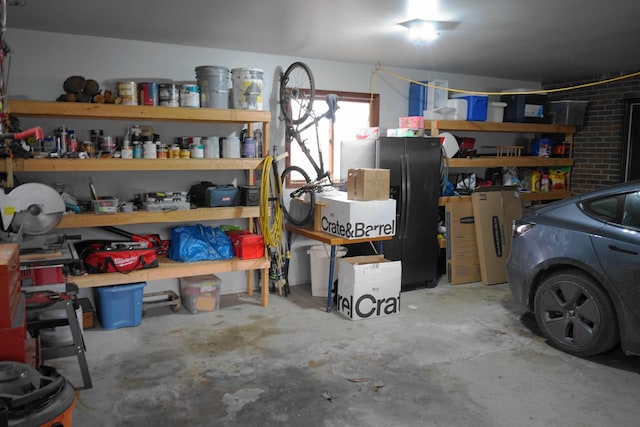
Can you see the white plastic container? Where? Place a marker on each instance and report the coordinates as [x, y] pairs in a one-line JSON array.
[[320, 259], [456, 109], [495, 111]]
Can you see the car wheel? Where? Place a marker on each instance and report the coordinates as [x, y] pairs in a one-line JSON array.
[[575, 314]]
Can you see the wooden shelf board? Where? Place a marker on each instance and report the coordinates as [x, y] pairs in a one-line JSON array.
[[524, 196], [90, 219], [134, 112], [115, 165], [169, 269], [470, 126], [521, 161]]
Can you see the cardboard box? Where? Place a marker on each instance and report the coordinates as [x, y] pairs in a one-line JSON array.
[[463, 262], [494, 209], [411, 122], [369, 133], [368, 184], [88, 313], [405, 132], [200, 293], [355, 219], [368, 286]]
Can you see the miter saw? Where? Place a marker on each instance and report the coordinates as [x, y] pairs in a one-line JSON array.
[[29, 212]]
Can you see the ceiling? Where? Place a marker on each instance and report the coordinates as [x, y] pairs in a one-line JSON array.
[[539, 40]]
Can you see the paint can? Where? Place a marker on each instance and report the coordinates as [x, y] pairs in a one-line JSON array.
[[168, 95], [231, 147], [148, 93], [128, 93], [189, 95], [247, 88], [214, 86], [248, 147], [211, 147]]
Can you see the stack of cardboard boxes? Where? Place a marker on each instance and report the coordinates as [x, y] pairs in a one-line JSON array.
[[479, 235]]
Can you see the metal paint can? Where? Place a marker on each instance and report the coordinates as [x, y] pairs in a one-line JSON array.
[[214, 86], [163, 151], [148, 93], [128, 93], [168, 95], [189, 95], [174, 151], [247, 88]]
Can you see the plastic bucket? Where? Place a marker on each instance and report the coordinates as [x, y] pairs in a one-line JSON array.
[[247, 88], [320, 260], [214, 86]]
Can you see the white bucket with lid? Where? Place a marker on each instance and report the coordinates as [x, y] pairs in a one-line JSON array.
[[247, 88], [213, 81], [320, 257]]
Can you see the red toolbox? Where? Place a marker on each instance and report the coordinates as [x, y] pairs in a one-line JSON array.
[[247, 245]]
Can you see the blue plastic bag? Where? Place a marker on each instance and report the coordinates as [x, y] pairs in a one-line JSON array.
[[199, 243]]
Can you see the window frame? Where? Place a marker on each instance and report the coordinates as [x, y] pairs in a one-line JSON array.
[[374, 120]]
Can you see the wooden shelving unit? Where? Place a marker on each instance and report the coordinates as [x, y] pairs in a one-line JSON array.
[[438, 126], [167, 268]]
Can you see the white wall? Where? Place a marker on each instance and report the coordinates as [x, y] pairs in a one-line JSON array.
[[41, 61]]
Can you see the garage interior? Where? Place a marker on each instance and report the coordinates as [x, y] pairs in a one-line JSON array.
[[453, 354]]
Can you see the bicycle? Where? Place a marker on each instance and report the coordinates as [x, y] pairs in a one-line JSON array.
[[297, 94]]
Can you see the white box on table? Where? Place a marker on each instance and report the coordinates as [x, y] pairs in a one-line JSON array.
[[356, 219], [368, 286]]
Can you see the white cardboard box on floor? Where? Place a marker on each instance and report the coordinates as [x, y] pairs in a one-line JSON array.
[[368, 286], [356, 219]]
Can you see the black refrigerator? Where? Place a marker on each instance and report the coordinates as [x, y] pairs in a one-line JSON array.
[[414, 165]]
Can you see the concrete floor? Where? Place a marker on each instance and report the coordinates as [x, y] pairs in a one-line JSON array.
[[455, 356]]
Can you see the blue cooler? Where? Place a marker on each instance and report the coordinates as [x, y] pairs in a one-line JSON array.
[[477, 106]]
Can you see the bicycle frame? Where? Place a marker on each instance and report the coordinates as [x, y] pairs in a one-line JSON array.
[[295, 132]]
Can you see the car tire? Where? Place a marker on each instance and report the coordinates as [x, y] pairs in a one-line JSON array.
[[575, 314]]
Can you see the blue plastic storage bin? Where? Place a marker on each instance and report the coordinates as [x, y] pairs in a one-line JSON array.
[[120, 306], [476, 106], [417, 99]]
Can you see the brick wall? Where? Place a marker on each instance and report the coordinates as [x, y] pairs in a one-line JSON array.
[[598, 145]]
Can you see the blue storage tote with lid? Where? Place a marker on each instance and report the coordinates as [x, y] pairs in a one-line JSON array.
[[476, 106], [120, 306]]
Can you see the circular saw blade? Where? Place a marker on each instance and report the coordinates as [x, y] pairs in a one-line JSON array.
[[39, 208]]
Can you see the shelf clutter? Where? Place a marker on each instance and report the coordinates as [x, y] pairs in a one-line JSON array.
[[251, 120]]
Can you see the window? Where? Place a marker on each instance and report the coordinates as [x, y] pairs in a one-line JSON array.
[[623, 209], [356, 110]]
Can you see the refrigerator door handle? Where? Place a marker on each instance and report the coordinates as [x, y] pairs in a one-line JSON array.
[[406, 198], [403, 197]]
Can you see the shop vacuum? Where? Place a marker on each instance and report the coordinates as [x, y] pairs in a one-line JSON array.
[[31, 397]]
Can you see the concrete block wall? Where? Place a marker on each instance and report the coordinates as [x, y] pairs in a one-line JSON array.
[[599, 143]]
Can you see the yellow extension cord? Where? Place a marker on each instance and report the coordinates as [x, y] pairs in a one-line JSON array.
[[271, 229], [271, 224]]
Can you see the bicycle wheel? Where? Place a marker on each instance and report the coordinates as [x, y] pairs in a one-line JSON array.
[[297, 93], [302, 201]]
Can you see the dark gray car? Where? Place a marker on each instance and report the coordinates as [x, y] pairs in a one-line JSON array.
[[575, 264]]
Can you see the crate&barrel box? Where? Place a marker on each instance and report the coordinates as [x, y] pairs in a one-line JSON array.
[[356, 219], [368, 286]]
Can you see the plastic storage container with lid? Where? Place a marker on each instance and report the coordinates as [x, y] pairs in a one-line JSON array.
[[476, 106], [525, 108], [567, 112]]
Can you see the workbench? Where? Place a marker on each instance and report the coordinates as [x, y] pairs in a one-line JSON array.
[[333, 241]]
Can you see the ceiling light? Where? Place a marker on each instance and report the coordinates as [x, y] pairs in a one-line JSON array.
[[425, 31]]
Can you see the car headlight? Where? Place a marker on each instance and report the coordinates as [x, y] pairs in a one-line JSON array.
[[520, 228]]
